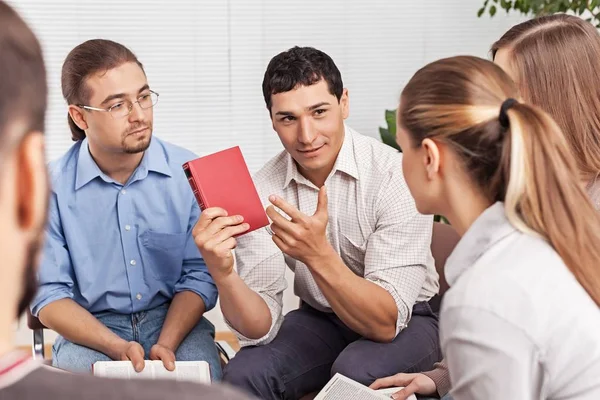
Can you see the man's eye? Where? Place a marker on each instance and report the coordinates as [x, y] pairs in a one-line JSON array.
[[116, 106]]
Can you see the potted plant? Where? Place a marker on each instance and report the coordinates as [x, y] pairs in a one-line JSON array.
[[588, 8]]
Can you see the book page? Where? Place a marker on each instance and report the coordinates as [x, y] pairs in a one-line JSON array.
[[193, 371], [343, 388]]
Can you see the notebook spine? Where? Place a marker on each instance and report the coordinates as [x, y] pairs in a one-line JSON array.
[[197, 193]]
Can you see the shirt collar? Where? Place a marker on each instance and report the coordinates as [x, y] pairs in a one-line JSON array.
[[487, 230], [87, 170], [345, 161]]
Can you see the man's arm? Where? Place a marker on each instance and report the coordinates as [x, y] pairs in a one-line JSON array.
[[77, 325], [254, 317], [365, 307], [185, 311]]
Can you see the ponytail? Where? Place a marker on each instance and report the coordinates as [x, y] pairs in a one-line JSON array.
[[77, 133], [544, 196]]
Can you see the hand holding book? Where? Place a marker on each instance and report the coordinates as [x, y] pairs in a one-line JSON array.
[[214, 235]]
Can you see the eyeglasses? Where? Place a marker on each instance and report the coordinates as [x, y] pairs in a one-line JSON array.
[[124, 108]]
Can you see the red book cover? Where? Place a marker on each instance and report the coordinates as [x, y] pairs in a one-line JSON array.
[[222, 180]]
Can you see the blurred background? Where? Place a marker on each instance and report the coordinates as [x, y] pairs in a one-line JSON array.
[[207, 60]]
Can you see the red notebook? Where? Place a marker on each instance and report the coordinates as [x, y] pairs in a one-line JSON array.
[[222, 180]]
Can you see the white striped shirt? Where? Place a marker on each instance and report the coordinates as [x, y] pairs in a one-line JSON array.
[[373, 225]]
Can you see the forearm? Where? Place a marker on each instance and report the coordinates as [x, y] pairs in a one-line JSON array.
[[79, 326], [245, 309], [365, 307], [185, 311]]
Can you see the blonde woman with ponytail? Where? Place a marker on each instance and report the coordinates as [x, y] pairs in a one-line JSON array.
[[554, 61], [522, 317]]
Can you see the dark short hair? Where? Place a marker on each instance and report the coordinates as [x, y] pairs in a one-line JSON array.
[[300, 66], [85, 60], [23, 90]]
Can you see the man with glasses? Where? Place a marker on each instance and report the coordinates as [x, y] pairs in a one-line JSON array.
[[121, 277]]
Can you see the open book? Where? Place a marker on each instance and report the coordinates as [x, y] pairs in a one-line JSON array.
[[194, 371], [343, 388]]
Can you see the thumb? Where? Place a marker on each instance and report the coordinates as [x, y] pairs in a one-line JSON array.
[[322, 202], [406, 392]]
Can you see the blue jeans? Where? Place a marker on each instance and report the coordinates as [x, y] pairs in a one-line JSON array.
[[144, 328]]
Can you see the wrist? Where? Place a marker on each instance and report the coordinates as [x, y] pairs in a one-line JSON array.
[[327, 256], [115, 347], [167, 345]]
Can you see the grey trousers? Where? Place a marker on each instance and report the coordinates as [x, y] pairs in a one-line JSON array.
[[312, 346]]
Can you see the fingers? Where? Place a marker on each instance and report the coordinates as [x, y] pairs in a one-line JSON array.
[[277, 218], [322, 202], [406, 392], [135, 353], [394, 380], [219, 230], [283, 235], [167, 357], [207, 216], [287, 208]]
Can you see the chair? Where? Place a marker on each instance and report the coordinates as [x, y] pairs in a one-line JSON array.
[[443, 240], [38, 352], [36, 326]]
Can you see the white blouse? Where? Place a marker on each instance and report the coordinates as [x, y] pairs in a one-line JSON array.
[[516, 324]]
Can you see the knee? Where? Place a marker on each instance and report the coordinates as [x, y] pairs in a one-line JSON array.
[[75, 358], [355, 364], [254, 371]]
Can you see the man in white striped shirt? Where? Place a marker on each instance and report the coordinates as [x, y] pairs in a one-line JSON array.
[[347, 226]]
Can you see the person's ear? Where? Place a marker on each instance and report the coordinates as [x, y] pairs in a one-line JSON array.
[[431, 158], [31, 183], [345, 104], [76, 114]]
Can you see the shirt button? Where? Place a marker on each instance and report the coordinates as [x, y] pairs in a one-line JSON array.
[[127, 227], [123, 191], [138, 296], [132, 262]]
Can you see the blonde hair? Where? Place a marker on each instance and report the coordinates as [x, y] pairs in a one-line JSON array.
[[525, 162], [556, 60]]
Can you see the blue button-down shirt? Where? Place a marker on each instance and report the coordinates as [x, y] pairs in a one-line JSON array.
[[122, 248]]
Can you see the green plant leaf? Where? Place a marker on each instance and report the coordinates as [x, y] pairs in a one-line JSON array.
[[480, 12], [390, 119], [388, 138], [492, 11]]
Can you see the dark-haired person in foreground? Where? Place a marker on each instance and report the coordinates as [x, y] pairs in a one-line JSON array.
[[121, 277], [359, 248], [23, 207]]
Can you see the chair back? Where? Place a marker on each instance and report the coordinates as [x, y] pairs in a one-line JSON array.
[[33, 323], [443, 240]]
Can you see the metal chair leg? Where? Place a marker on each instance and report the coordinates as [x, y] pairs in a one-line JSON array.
[[38, 344]]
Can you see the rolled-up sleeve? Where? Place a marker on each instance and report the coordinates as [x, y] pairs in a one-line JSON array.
[[55, 274], [194, 274], [398, 251]]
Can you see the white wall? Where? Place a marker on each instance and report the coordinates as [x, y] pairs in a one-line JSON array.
[[207, 59]]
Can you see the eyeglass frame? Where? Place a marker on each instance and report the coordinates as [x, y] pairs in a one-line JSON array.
[[109, 109]]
